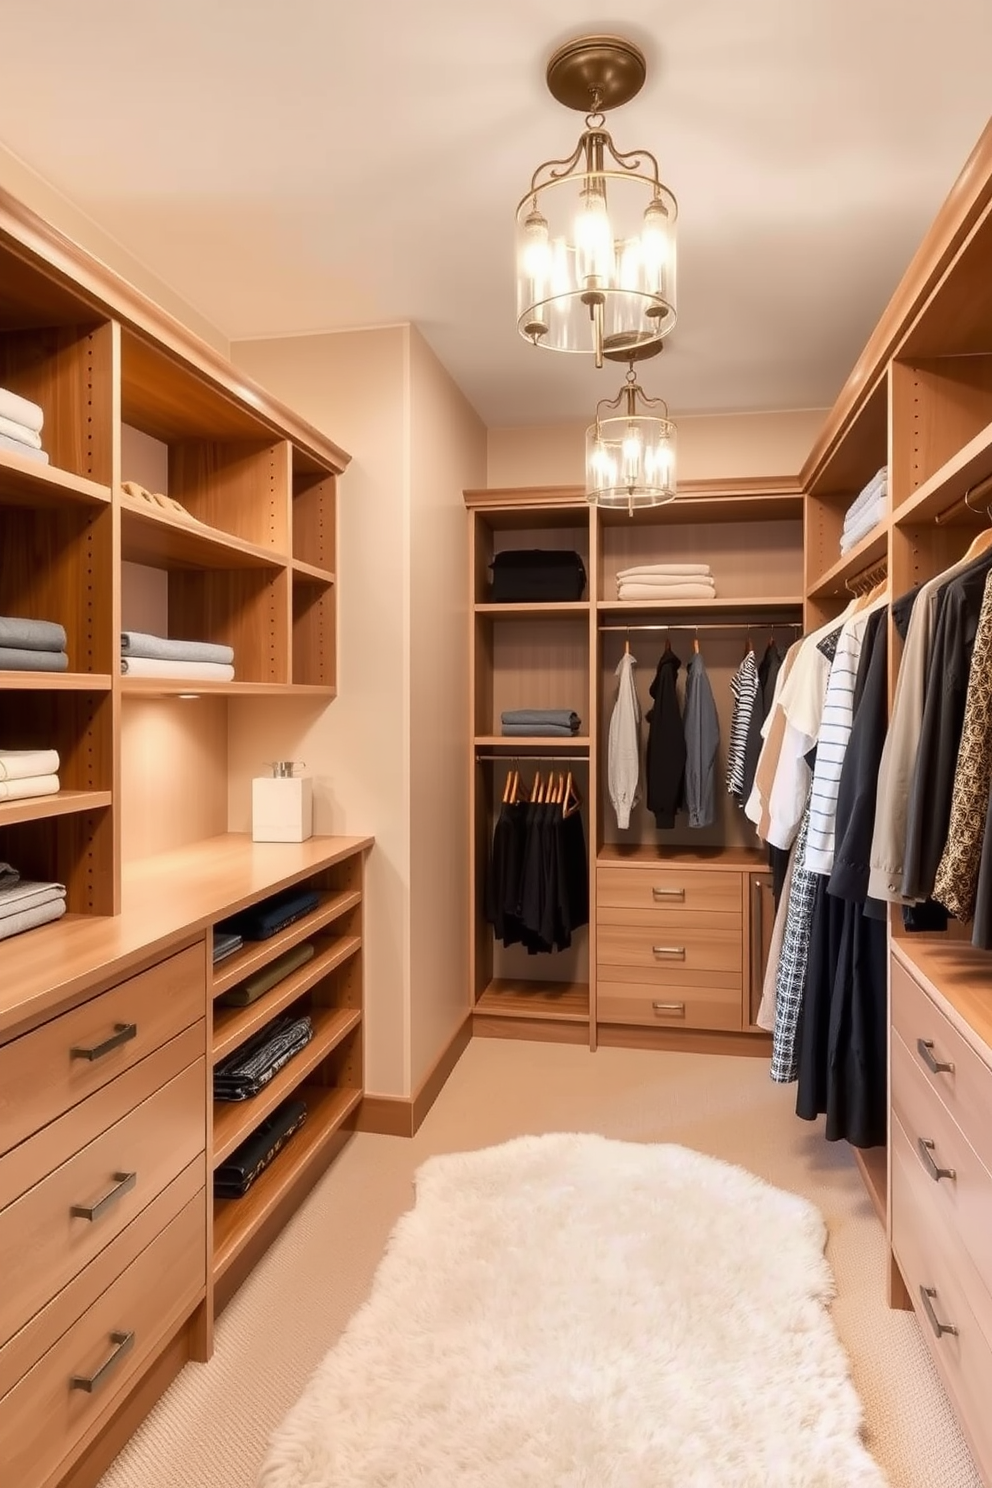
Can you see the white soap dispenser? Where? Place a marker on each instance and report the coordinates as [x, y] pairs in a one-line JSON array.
[[282, 804]]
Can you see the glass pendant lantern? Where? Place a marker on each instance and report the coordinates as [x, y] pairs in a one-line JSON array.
[[630, 453]]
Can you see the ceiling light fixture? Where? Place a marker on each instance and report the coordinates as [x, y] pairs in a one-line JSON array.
[[630, 455], [596, 231]]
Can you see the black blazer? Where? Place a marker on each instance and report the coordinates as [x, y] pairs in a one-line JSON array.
[[666, 745]]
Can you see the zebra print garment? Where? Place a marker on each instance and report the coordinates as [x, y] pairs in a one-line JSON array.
[[744, 686]]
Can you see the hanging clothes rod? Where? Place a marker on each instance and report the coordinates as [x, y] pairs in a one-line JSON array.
[[735, 627], [981, 490]]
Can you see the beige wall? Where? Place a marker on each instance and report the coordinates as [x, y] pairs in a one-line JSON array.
[[447, 455], [353, 385], [38, 194], [709, 447]]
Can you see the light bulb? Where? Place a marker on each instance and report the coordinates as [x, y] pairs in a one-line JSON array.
[[602, 467], [654, 242], [536, 254], [632, 450], [593, 234]]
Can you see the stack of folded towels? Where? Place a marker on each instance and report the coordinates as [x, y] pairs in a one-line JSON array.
[[25, 904], [28, 772], [31, 645], [654, 581], [20, 427], [552, 723], [155, 656], [867, 511]]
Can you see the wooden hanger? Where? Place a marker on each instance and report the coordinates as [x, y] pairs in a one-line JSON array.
[[508, 787], [571, 800]]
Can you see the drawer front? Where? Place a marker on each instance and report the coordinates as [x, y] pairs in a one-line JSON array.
[[45, 1415], [938, 1285], [958, 1185], [701, 921], [54, 1067], [670, 890], [966, 1087], [669, 950], [666, 1006], [56, 1228]]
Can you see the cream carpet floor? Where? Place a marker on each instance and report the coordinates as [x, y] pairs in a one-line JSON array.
[[211, 1428]]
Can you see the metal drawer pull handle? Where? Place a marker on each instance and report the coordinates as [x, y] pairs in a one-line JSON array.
[[676, 1008], [668, 893], [90, 1382], [669, 951], [122, 1034], [926, 1148], [936, 1066], [123, 1183], [938, 1327]]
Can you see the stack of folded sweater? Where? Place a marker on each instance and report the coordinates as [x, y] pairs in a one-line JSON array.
[[25, 904], [655, 581], [156, 656], [867, 511], [28, 772], [554, 723], [20, 427], [31, 645], [250, 1068]]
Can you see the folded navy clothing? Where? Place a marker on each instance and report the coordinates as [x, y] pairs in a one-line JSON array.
[[271, 915], [249, 1069], [20, 659], [538, 730], [160, 648], [237, 1173], [560, 717], [31, 635]]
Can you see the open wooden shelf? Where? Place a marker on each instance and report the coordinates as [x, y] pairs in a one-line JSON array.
[[566, 1001], [872, 1164], [163, 541], [25, 482], [653, 855], [579, 742], [55, 682], [65, 803], [233, 1025], [237, 1220], [948, 485], [193, 687], [258, 953], [309, 573], [534, 608], [235, 1120], [871, 549]]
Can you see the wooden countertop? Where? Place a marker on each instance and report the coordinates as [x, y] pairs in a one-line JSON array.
[[168, 901], [958, 978]]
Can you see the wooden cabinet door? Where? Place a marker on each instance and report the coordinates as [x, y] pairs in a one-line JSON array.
[[762, 918]]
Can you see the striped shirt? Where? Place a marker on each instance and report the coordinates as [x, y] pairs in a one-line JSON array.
[[744, 686], [832, 741]]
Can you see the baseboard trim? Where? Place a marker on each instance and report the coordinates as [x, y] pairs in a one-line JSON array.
[[402, 1116]]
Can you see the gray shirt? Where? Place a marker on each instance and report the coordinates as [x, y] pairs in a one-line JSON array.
[[702, 735]]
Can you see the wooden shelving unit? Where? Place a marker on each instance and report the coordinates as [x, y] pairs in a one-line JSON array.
[[232, 1026], [506, 998], [65, 803], [258, 954], [873, 548]]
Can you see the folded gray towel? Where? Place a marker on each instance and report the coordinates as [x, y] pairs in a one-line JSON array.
[[538, 730], [160, 648], [31, 635], [13, 659], [30, 918], [561, 716], [28, 895]]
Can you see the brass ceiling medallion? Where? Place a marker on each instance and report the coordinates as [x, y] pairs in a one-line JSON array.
[[596, 230]]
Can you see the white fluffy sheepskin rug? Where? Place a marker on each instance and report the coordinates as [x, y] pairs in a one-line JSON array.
[[571, 1312]]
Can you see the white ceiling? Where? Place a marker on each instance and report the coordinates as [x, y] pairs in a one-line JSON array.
[[313, 164]]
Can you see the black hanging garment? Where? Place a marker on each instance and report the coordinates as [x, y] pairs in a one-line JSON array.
[[537, 887], [666, 751], [842, 1034]]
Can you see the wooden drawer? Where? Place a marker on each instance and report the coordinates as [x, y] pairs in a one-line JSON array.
[[701, 921], [666, 1006], [966, 1087], [44, 1416], [670, 890], [669, 950], [930, 1261], [46, 1237], [958, 1184], [40, 1074]]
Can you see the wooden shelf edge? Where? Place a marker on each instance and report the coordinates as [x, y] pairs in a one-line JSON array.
[[948, 485], [238, 1024], [259, 953], [191, 687], [528, 741], [203, 545], [331, 1026], [869, 550], [65, 803], [46, 485], [872, 1164], [55, 681], [331, 1109], [532, 608], [691, 606], [309, 572]]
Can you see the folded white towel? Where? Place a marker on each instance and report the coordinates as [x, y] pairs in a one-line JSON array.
[[20, 432], [17, 447], [19, 764], [688, 590], [653, 581], [875, 502], [21, 410], [663, 570], [198, 671], [29, 785]]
